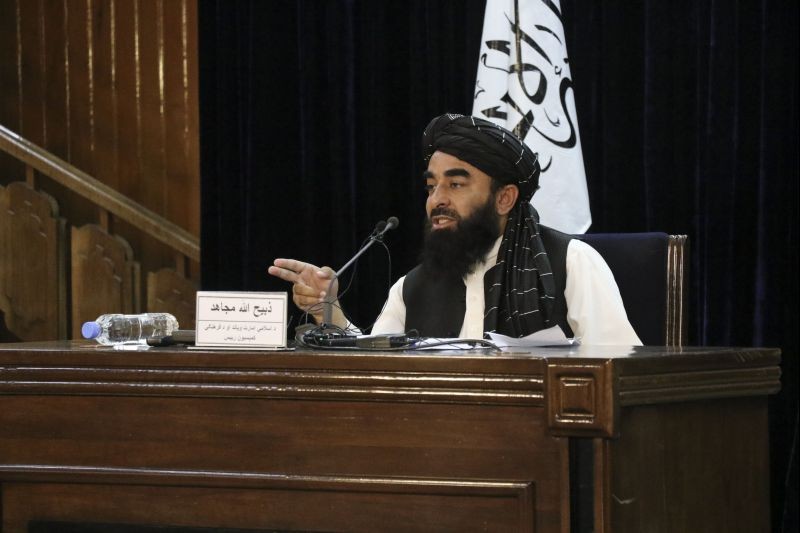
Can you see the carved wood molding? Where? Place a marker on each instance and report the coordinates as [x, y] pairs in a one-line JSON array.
[[32, 263], [168, 291], [518, 497], [522, 490], [581, 398], [105, 279], [375, 386]]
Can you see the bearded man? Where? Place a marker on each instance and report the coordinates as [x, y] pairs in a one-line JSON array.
[[487, 264]]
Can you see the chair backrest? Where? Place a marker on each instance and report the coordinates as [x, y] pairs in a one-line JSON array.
[[651, 272]]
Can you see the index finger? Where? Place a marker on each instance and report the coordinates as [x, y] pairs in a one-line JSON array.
[[284, 274], [288, 269], [293, 264]]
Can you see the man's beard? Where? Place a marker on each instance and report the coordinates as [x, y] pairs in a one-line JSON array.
[[456, 252]]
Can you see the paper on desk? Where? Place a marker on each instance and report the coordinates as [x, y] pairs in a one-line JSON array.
[[445, 343], [544, 337]]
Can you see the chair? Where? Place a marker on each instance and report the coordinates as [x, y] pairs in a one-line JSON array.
[[652, 275]]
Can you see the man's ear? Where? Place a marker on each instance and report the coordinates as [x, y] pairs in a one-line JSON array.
[[505, 198]]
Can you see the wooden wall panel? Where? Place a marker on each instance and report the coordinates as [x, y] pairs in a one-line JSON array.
[[31, 72], [151, 93], [9, 83], [110, 86], [81, 87], [168, 291], [128, 105], [56, 97], [105, 97], [153, 177], [10, 170], [104, 276], [180, 111], [32, 268]]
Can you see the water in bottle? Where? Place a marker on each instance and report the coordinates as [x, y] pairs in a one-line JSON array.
[[129, 332]]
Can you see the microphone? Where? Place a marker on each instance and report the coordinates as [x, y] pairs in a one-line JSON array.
[[379, 228], [377, 235], [391, 223], [383, 226]]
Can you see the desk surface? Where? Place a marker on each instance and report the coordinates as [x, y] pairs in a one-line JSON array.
[[625, 360]]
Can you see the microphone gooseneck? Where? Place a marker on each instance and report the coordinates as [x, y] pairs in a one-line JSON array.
[[377, 235]]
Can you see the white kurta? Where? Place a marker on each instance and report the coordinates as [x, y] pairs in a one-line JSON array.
[[595, 311]]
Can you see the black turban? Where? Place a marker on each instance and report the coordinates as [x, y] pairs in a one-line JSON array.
[[486, 146], [519, 289]]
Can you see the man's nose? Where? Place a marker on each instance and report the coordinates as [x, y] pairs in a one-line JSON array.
[[439, 196]]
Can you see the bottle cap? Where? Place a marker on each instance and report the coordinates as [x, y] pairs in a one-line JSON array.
[[90, 330]]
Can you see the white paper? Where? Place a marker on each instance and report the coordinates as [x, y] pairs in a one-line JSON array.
[[439, 343], [544, 337]]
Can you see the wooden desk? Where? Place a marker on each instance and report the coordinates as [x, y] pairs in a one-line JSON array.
[[650, 439]]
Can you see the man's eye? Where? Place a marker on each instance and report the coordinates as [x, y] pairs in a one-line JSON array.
[[428, 188], [456, 185]]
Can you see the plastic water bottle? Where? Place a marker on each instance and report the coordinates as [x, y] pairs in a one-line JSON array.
[[129, 332]]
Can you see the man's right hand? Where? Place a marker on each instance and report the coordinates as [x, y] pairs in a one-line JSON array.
[[309, 287]]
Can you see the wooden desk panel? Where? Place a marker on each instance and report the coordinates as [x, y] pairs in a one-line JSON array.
[[393, 442], [691, 464]]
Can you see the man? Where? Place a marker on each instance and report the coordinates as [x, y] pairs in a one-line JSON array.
[[487, 264]]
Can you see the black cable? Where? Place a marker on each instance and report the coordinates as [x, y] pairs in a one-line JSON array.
[[304, 341], [389, 256], [455, 342], [337, 339]]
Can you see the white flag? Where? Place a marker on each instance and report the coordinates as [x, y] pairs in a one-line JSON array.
[[524, 85]]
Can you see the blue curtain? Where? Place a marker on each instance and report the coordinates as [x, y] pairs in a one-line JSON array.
[[311, 114]]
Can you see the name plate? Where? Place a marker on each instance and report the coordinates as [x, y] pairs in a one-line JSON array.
[[252, 320]]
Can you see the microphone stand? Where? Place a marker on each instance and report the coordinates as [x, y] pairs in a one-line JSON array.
[[327, 310]]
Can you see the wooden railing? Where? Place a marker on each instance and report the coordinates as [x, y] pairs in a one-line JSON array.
[[39, 250], [103, 196]]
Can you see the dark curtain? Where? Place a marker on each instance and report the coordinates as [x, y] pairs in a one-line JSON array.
[[311, 114]]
